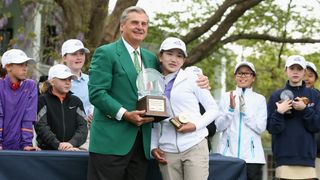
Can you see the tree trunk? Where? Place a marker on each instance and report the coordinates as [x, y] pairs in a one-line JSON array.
[[112, 23], [89, 21]]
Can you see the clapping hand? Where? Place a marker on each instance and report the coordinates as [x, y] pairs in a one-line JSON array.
[[232, 100]]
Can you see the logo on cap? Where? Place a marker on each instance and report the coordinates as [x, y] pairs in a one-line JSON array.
[[297, 59], [177, 43], [78, 43]]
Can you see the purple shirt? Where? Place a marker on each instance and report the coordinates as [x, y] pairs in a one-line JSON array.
[[18, 110]]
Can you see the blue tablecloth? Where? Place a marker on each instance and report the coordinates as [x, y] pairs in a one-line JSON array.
[[56, 165], [220, 168]]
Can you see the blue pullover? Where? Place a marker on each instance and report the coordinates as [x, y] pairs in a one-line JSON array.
[[293, 141]]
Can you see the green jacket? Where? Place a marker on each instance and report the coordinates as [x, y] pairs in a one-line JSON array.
[[112, 85]]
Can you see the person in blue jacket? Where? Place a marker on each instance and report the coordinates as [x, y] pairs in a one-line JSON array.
[[293, 119]]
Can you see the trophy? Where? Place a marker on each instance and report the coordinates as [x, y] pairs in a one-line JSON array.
[[150, 84], [286, 95], [178, 121]]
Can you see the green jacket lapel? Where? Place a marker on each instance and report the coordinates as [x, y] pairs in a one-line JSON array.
[[145, 60], [126, 62]]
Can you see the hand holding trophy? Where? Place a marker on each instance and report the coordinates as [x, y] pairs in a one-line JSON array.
[[150, 84], [179, 120], [285, 96]]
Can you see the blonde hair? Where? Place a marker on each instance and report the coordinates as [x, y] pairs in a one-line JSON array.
[[44, 86]]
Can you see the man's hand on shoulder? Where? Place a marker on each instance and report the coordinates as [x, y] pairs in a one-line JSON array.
[[203, 82]]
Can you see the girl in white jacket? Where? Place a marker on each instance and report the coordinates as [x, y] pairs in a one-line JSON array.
[[243, 121], [182, 152]]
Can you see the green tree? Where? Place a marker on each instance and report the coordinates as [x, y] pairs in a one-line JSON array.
[[207, 27]]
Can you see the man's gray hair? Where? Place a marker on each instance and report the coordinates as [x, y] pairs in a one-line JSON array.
[[131, 9]]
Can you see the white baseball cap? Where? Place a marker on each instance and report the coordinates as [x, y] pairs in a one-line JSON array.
[[60, 71], [15, 56], [296, 59], [312, 66], [173, 43], [71, 46], [245, 63]]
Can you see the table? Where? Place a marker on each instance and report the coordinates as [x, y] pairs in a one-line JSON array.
[[57, 165], [48, 165], [220, 168]]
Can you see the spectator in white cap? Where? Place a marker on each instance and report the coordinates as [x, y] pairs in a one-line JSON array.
[[243, 120], [311, 75], [311, 78], [293, 120], [74, 54], [181, 148], [18, 102], [61, 123]]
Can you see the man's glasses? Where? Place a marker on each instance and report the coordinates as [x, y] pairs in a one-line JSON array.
[[243, 74]]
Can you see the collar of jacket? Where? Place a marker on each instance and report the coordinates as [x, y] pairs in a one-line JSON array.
[[288, 86]]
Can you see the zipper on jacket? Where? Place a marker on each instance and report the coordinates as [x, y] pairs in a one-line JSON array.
[[174, 115], [227, 146], [252, 148], [177, 142], [63, 122], [239, 135]]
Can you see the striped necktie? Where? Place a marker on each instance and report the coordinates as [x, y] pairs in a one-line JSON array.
[[136, 61]]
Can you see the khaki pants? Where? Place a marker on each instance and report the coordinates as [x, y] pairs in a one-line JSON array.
[[295, 172], [189, 165], [318, 167]]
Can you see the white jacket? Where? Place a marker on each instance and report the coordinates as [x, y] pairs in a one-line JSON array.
[[241, 132], [185, 98]]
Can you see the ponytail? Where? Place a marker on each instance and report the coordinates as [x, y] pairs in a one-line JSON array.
[[44, 87]]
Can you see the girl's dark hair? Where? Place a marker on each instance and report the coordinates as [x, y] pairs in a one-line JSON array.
[[3, 71], [313, 71]]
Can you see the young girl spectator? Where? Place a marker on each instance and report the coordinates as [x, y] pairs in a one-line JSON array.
[[310, 79], [18, 102], [61, 123], [311, 75], [182, 152], [243, 121], [74, 55], [293, 123]]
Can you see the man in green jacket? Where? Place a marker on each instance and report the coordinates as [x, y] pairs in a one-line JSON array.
[[120, 134]]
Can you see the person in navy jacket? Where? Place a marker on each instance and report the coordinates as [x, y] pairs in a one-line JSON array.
[[293, 123]]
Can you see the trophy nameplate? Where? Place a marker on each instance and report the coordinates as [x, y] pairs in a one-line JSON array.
[[150, 84]]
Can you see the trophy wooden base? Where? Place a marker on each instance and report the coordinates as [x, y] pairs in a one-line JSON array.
[[155, 106]]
